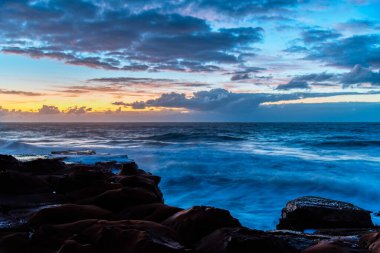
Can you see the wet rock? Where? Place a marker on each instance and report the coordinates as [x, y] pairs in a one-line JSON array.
[[195, 223], [242, 240], [81, 176], [132, 236], [111, 236], [72, 246], [144, 181], [74, 152], [92, 191], [333, 247], [157, 212], [119, 199], [13, 182], [67, 213], [8, 162], [44, 166], [131, 168], [316, 212], [19, 243], [371, 241]]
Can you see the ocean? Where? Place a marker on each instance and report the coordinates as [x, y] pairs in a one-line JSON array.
[[251, 169]]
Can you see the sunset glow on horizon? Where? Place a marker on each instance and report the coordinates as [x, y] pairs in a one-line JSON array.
[[94, 60]]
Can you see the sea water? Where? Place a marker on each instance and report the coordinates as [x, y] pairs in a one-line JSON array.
[[251, 169]]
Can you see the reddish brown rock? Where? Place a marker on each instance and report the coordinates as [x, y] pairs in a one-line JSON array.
[[333, 247], [8, 162], [371, 241], [44, 166], [67, 213], [195, 223], [316, 212], [132, 237], [119, 199], [13, 182], [242, 240], [157, 212]]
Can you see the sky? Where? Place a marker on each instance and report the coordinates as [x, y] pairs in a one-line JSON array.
[[189, 60]]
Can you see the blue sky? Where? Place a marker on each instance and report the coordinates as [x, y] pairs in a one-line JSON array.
[[182, 60]]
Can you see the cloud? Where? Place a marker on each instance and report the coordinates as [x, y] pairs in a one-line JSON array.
[[360, 75], [245, 73], [122, 82], [48, 109], [358, 25], [220, 100], [18, 92], [342, 51], [115, 36], [319, 35], [306, 81], [78, 110]]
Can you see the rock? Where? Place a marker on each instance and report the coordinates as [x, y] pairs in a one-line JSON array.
[[144, 181], [19, 243], [333, 247], [119, 199], [371, 241], [157, 212], [242, 240], [81, 177], [71, 246], [132, 237], [67, 213], [110, 236], [74, 152], [130, 168], [195, 223], [8, 162], [13, 182], [315, 212], [44, 166]]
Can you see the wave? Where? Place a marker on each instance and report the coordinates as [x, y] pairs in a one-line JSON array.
[[348, 143], [180, 137]]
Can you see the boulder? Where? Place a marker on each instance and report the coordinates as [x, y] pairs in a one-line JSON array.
[[157, 212], [119, 199], [371, 241], [103, 236], [195, 223], [8, 162], [333, 247], [132, 237], [242, 240], [44, 166], [67, 213], [315, 212], [13, 182]]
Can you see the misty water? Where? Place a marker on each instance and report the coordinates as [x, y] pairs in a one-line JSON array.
[[250, 169]]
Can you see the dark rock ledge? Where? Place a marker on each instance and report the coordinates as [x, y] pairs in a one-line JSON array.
[[47, 206]]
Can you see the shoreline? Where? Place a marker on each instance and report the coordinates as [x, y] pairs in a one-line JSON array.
[[89, 206]]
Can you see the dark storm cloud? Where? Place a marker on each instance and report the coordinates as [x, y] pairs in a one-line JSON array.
[[113, 35], [220, 100]]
